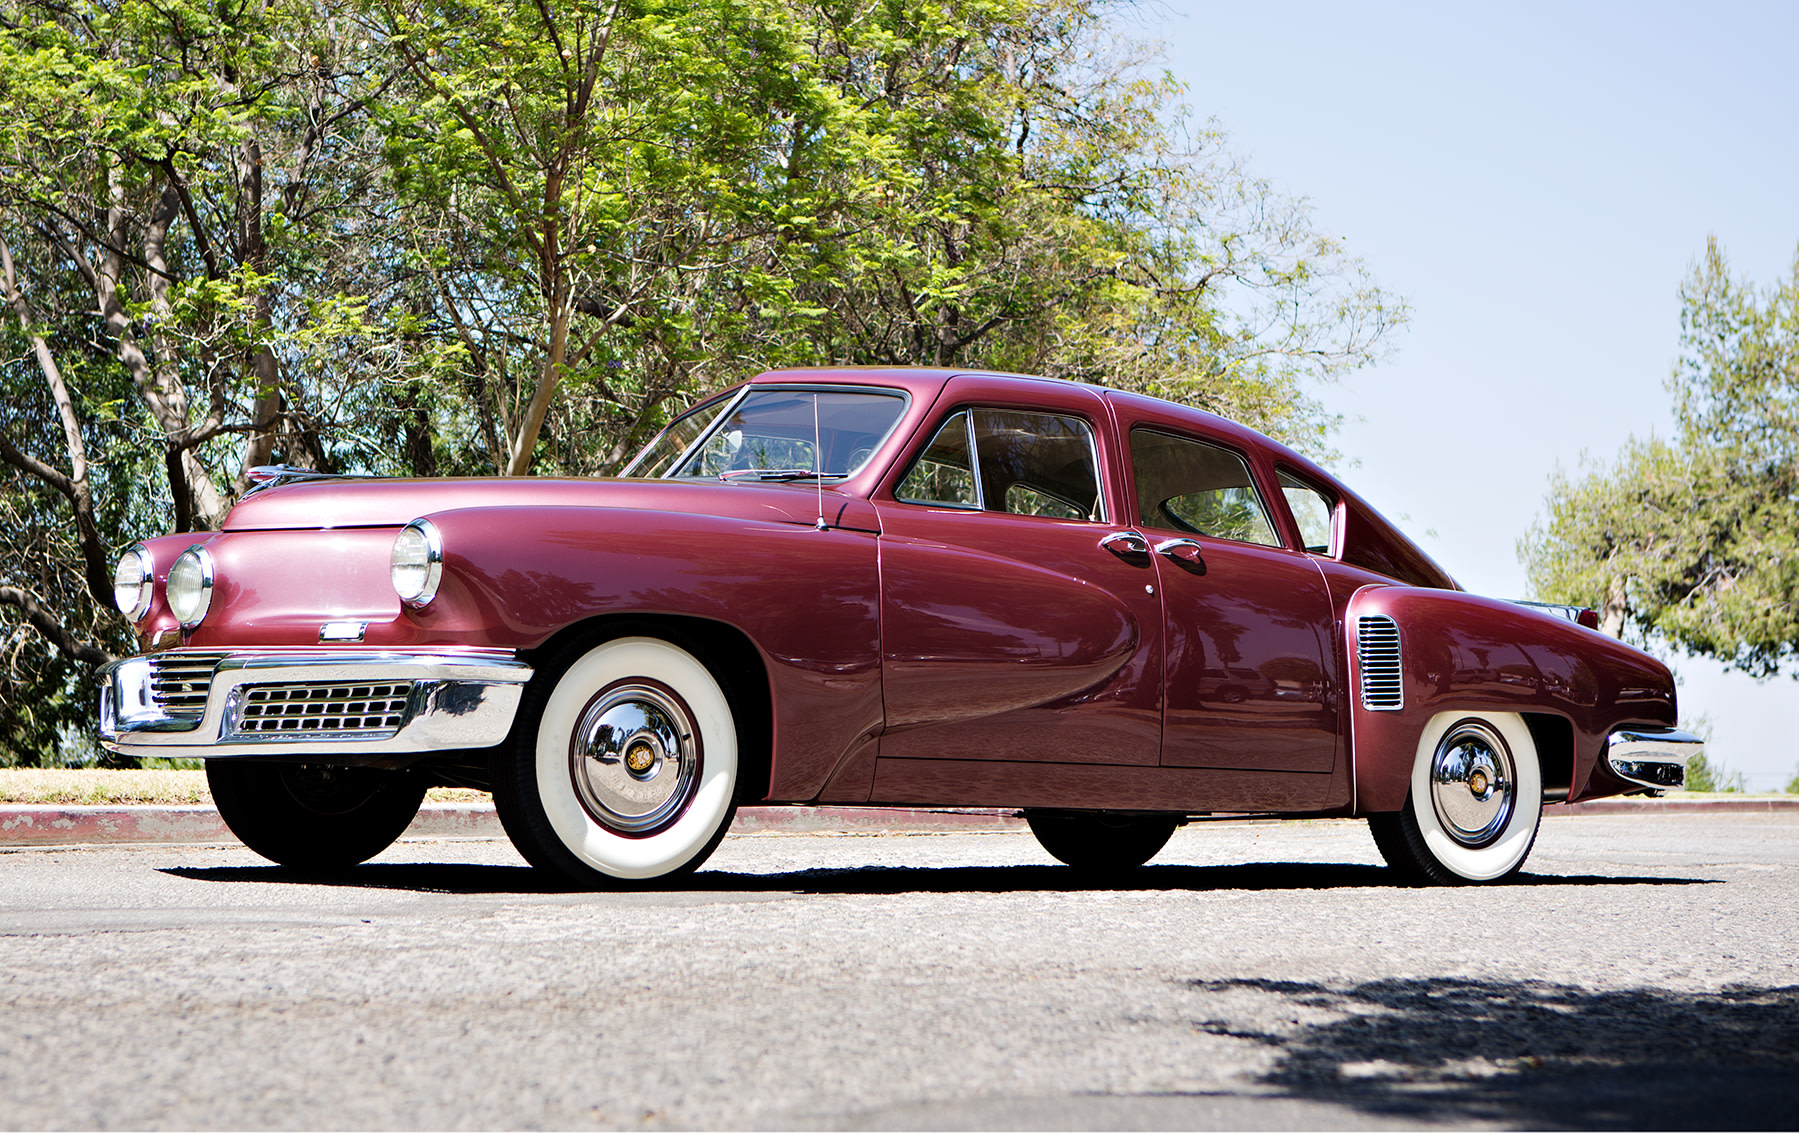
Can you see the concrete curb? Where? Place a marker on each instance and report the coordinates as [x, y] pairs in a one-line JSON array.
[[58, 825], [67, 825]]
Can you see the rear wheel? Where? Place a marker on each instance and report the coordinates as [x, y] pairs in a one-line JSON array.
[[1098, 841], [1475, 803], [313, 815], [628, 770]]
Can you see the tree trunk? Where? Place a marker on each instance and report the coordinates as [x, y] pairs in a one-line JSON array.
[[1617, 608]]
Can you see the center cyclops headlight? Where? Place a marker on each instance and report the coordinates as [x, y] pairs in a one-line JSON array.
[[418, 562], [133, 582], [189, 588]]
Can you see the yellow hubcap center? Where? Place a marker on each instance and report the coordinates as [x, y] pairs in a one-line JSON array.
[[1477, 782], [639, 757]]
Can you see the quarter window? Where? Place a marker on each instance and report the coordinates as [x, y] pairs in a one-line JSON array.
[[1010, 460], [1312, 511], [1197, 488], [944, 475]]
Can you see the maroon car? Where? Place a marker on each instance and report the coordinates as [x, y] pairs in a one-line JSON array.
[[872, 587]]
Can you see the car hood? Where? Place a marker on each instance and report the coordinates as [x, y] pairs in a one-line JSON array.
[[321, 504]]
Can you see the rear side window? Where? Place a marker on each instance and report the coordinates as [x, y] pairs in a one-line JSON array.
[[1011, 460], [1197, 488]]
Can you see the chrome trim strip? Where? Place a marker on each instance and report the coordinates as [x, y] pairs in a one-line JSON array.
[[459, 698], [1652, 757]]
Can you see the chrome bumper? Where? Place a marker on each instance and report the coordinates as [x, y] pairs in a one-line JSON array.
[[209, 703], [1652, 757]]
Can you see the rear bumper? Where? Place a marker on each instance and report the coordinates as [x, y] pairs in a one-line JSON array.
[[1652, 757], [309, 702]]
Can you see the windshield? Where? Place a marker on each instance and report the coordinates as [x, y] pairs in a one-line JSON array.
[[770, 433]]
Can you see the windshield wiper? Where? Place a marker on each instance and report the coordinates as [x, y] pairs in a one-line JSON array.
[[776, 475]]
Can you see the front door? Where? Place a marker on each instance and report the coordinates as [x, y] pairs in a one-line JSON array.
[[1009, 630]]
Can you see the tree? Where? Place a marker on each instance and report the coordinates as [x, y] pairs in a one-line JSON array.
[[1694, 541], [424, 236]]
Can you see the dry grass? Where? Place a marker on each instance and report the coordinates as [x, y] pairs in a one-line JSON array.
[[141, 788]]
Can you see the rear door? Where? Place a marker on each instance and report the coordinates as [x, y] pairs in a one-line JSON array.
[[1250, 681]]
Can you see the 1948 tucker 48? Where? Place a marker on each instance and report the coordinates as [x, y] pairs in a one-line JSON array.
[[873, 587]]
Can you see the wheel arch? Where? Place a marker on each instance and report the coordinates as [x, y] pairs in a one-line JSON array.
[[726, 651]]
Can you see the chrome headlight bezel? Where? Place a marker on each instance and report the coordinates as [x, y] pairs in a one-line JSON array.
[[134, 583], [418, 550], [190, 608]]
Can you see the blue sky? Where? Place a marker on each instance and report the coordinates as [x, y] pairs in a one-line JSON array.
[[1536, 180]]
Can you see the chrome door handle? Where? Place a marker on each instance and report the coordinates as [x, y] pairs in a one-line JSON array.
[[1129, 546], [1184, 553]]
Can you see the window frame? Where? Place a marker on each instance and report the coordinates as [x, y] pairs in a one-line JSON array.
[[968, 409], [1269, 516]]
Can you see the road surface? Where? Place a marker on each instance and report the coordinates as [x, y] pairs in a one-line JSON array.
[[1257, 975]]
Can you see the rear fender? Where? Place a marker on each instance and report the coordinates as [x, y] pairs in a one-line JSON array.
[[1458, 652]]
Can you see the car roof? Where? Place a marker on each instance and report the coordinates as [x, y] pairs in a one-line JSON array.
[[926, 382]]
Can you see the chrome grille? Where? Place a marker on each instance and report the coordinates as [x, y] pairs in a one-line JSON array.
[[179, 682], [1377, 656], [343, 709]]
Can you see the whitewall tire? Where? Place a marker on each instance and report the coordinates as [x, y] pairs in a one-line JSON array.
[[630, 772], [1475, 803]]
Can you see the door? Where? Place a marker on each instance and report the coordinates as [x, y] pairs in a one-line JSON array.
[[1010, 631], [1248, 644]]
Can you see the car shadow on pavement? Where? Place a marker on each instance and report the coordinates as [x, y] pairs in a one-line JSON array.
[[1524, 1054], [883, 880]]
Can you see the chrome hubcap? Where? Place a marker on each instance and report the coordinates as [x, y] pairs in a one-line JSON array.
[[1472, 783], [634, 758]]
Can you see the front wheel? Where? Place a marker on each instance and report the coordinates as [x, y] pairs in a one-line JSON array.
[[628, 772], [1475, 803], [1098, 841], [313, 816]]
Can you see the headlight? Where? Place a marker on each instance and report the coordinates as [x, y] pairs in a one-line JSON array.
[[133, 582], [418, 562], [189, 588]]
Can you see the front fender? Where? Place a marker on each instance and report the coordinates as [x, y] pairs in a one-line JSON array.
[[1458, 652], [807, 599]]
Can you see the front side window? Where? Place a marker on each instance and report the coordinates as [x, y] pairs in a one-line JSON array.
[[1018, 461], [1312, 510], [775, 434], [1197, 488]]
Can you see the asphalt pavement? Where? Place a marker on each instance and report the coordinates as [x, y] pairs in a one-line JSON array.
[[1641, 974]]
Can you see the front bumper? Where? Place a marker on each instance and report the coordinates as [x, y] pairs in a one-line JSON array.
[[309, 702], [1652, 757]]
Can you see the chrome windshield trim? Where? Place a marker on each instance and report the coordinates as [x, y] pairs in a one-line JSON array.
[[1652, 757]]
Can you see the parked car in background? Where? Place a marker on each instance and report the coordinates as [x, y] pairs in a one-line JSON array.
[[872, 587]]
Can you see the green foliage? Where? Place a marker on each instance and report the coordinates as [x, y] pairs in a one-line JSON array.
[[1715, 778], [1792, 787], [1694, 541], [432, 237]]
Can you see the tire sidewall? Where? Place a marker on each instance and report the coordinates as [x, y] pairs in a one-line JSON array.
[[690, 834], [1505, 854]]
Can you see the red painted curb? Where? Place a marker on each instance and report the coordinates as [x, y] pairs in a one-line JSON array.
[[56, 825], [1674, 806], [63, 825]]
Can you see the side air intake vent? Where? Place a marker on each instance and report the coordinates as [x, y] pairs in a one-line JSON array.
[[1377, 657]]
